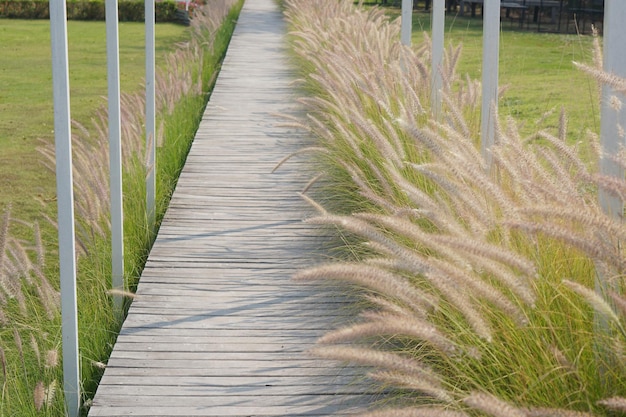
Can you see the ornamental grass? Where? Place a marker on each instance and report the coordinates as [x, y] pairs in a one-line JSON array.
[[478, 280]]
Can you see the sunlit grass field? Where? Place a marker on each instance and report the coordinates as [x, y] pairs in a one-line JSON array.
[[535, 69], [26, 113]]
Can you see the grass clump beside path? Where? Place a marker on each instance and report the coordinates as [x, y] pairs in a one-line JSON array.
[[30, 375], [478, 283]]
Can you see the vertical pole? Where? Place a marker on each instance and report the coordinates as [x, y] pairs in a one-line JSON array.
[[115, 152], [150, 115], [65, 205], [491, 46], [612, 119], [438, 24], [406, 26], [611, 142]]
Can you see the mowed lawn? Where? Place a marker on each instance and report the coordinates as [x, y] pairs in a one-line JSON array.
[[535, 68], [26, 110]]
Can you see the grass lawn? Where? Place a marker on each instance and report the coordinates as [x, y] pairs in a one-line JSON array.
[[26, 112], [535, 67]]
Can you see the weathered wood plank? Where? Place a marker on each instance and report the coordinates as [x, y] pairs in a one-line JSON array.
[[123, 396], [301, 384], [263, 311], [221, 366], [174, 368], [201, 359], [219, 333], [241, 324], [212, 345], [240, 410]]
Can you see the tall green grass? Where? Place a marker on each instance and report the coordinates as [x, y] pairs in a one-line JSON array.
[[30, 376], [478, 282]]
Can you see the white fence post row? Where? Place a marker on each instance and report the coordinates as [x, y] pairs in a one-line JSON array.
[[150, 114], [437, 28], [491, 53], [612, 118], [406, 26], [65, 205], [115, 152]]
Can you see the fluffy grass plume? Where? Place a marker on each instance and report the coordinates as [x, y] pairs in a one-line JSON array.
[[478, 283]]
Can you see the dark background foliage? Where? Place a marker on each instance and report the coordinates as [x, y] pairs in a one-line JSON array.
[[131, 11]]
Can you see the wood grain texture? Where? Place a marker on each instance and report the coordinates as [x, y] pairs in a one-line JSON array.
[[218, 327]]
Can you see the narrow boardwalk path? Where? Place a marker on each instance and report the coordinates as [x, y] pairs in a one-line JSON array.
[[218, 327]]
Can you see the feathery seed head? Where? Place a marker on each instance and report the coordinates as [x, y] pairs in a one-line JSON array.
[[39, 395], [491, 405]]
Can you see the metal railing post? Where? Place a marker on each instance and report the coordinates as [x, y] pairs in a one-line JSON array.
[[115, 152], [491, 46], [407, 22], [612, 118], [65, 205], [437, 27], [150, 115]]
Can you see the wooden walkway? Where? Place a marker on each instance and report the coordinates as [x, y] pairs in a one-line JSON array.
[[218, 327]]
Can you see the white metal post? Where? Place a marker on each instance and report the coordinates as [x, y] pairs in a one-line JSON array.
[[115, 152], [150, 114], [491, 46], [406, 25], [613, 118], [438, 24], [65, 205]]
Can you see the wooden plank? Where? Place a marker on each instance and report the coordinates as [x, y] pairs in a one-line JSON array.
[[122, 396], [219, 333], [238, 323], [222, 366], [268, 290], [245, 410], [125, 367], [287, 359], [259, 309], [211, 344], [214, 385]]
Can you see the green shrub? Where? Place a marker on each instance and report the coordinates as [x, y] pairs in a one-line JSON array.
[[164, 11], [130, 11], [24, 9], [93, 10]]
